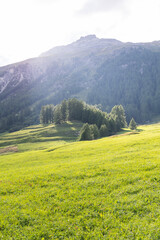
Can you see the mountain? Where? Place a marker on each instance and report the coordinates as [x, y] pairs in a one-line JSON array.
[[99, 71], [84, 46]]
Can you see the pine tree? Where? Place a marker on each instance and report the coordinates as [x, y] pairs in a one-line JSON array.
[[58, 115], [95, 131], [132, 124], [86, 133], [118, 115], [112, 126], [46, 114], [42, 115], [75, 109], [64, 110], [51, 113], [103, 131]]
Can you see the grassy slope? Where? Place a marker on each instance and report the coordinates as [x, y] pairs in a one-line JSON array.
[[39, 137], [102, 189]]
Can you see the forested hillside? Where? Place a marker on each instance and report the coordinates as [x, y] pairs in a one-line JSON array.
[[132, 79], [103, 72]]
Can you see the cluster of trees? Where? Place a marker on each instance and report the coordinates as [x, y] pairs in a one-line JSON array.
[[47, 113], [91, 131], [97, 123], [74, 109]]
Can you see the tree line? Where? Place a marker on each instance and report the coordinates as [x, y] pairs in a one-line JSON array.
[[96, 122]]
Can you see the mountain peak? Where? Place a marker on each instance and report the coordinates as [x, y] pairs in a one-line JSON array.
[[83, 45], [88, 38]]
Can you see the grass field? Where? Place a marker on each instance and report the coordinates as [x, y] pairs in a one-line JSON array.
[[57, 188]]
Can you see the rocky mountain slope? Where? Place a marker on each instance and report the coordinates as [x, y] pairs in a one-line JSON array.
[[99, 71]]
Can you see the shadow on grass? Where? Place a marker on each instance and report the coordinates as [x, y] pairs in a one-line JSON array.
[[139, 130], [63, 132], [53, 149]]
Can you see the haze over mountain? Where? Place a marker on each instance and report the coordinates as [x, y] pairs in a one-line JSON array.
[[99, 71]]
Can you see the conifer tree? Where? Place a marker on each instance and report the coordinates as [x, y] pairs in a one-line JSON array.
[[118, 115], [58, 115], [132, 124], [95, 131], [42, 115], [86, 133], [46, 114], [64, 110], [75, 109], [103, 131]]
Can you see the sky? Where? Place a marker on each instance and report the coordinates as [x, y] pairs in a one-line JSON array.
[[30, 27]]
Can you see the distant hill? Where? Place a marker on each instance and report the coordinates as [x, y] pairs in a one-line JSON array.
[[100, 71]]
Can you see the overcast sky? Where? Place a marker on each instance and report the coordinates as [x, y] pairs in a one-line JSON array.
[[30, 27]]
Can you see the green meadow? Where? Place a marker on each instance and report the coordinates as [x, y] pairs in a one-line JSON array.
[[54, 187]]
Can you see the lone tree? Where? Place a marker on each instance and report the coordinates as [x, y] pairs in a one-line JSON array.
[[132, 124]]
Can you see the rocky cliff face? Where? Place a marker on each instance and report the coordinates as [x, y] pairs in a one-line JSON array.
[[99, 71]]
